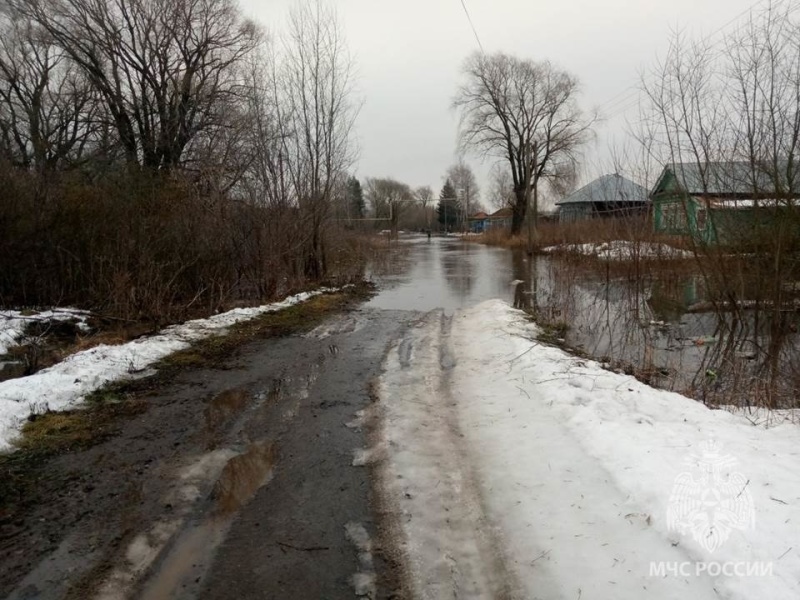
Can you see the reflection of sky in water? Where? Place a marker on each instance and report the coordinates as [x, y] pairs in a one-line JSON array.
[[615, 319], [445, 273]]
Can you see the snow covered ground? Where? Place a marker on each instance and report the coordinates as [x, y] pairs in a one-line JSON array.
[[517, 470], [64, 385], [622, 250], [14, 322]]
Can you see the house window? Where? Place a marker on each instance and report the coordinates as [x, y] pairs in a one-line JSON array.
[[702, 217], [674, 216]]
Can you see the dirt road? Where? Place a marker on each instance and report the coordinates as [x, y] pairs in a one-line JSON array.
[[237, 481], [246, 478]]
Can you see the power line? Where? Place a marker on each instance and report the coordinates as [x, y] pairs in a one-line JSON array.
[[472, 25], [624, 97]]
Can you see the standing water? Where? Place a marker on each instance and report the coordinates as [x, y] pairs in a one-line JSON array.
[[647, 325]]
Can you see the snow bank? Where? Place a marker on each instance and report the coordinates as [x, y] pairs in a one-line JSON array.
[[621, 250], [64, 385], [601, 486], [13, 323]]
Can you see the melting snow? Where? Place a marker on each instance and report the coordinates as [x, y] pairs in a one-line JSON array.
[[64, 385], [13, 323], [576, 481], [622, 250]]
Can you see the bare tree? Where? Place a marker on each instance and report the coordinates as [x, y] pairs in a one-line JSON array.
[[424, 196], [501, 190], [467, 190], [316, 85], [525, 113], [46, 106], [165, 70], [388, 199], [732, 112], [266, 175]]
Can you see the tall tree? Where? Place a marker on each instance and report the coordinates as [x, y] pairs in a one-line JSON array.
[[355, 199], [467, 190], [524, 112], [165, 70], [388, 198], [501, 190], [424, 195], [46, 104], [449, 209], [316, 79]]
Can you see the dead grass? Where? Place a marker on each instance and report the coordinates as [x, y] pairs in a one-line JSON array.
[[580, 232], [54, 433]]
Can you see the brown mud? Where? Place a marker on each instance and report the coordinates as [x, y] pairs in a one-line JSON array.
[[228, 474]]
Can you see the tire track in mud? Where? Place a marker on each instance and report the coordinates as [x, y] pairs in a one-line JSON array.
[[432, 503], [171, 557]]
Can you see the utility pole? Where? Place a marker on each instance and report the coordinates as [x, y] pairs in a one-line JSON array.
[[531, 156]]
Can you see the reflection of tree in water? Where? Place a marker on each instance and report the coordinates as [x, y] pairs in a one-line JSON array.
[[457, 268], [389, 264], [751, 359], [668, 328], [525, 297]]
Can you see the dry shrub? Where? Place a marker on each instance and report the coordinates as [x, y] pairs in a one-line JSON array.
[[150, 247], [553, 233]]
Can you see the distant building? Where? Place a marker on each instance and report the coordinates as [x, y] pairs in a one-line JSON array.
[[500, 218], [606, 196], [718, 202], [478, 222]]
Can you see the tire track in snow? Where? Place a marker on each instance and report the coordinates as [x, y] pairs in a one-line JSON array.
[[449, 548]]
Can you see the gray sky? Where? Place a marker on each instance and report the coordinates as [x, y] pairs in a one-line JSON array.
[[408, 55]]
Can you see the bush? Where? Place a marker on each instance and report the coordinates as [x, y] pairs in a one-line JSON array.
[[147, 247]]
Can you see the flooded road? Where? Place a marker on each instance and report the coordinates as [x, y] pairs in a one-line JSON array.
[[445, 273], [658, 324], [255, 477]]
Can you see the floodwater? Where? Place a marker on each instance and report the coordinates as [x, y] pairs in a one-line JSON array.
[[645, 324], [448, 273]]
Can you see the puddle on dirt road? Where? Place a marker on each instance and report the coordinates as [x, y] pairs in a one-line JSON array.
[[181, 571], [220, 409], [242, 477]]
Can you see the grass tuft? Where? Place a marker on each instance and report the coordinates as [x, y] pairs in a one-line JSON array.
[[54, 433]]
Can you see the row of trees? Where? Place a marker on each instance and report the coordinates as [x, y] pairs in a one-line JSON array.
[[392, 204], [147, 125]]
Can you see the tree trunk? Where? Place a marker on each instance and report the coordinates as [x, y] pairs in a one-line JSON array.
[[519, 209]]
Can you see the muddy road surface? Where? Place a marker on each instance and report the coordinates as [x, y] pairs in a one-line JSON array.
[[245, 478]]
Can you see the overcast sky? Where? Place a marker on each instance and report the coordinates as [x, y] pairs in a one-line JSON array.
[[408, 55]]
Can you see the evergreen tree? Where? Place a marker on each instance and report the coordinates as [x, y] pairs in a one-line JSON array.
[[356, 206], [449, 209]]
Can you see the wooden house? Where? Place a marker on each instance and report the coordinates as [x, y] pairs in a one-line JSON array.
[[719, 202]]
